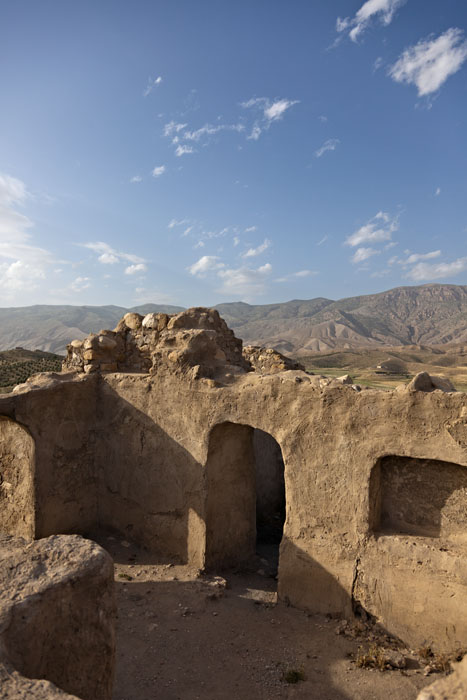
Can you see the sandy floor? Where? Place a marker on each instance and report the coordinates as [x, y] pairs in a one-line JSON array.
[[182, 636]]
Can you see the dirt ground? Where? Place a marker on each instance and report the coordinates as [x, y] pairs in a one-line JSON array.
[[186, 636]]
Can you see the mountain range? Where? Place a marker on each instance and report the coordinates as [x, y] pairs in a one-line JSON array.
[[431, 314]]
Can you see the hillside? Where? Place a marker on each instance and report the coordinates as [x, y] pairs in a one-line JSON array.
[[19, 364], [52, 327], [425, 315], [433, 314]]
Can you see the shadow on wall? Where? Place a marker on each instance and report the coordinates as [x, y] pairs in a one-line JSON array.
[[419, 497], [150, 487]]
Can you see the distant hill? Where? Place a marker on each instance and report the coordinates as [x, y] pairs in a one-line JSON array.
[[52, 327], [431, 314]]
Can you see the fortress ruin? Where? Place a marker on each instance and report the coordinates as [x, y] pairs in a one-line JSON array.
[[169, 432]]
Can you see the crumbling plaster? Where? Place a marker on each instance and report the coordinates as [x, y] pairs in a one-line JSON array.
[[129, 451]]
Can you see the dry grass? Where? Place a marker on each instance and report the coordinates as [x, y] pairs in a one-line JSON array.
[[374, 657], [438, 662]]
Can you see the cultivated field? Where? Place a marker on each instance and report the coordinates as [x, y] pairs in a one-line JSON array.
[[19, 364], [448, 361]]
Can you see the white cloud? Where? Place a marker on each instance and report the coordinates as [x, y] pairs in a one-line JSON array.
[[423, 272], [178, 222], [255, 133], [108, 259], [200, 244], [251, 229], [12, 190], [244, 282], [384, 10], [210, 130], [253, 252], [362, 254], [110, 256], [208, 235], [80, 284], [136, 178], [158, 171], [299, 274], [187, 231], [173, 128], [182, 137], [428, 64], [379, 228], [236, 241], [19, 276], [22, 265], [183, 150], [417, 257], [438, 191], [278, 108], [206, 264], [323, 119], [329, 145], [377, 64], [135, 269], [272, 110], [323, 240], [152, 83]]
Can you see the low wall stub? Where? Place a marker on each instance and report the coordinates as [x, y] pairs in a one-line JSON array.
[[57, 618]]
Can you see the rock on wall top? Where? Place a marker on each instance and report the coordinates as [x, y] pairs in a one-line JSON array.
[[197, 340]]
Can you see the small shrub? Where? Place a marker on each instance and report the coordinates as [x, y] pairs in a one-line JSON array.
[[373, 658], [425, 653], [293, 675], [126, 577], [440, 663]]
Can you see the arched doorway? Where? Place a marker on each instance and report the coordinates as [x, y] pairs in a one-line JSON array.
[[16, 479], [245, 503]]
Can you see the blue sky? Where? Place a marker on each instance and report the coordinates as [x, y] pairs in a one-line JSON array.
[[200, 152]]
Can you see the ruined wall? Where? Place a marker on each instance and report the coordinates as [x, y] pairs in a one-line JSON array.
[[60, 415], [348, 458], [57, 627], [17, 496]]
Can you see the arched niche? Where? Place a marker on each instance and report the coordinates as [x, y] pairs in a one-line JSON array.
[[420, 497]]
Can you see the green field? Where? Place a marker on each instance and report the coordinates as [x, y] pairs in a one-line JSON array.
[[19, 364]]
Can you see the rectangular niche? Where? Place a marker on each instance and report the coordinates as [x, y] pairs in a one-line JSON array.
[[423, 497]]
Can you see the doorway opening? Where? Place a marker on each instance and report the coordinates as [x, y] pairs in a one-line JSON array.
[[245, 507]]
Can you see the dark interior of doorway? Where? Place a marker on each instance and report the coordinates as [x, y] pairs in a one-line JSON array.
[[270, 498]]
